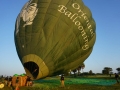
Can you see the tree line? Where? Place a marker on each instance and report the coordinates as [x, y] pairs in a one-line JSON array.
[[79, 71], [108, 70]]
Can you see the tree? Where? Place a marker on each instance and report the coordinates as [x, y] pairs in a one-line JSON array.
[[79, 68], [118, 69], [106, 70], [82, 66], [74, 71], [90, 72]]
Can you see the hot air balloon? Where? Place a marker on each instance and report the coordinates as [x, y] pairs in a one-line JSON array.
[[53, 36]]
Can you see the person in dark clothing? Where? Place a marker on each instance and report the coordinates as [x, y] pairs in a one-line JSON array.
[[28, 81], [6, 80], [117, 77], [10, 81], [62, 80]]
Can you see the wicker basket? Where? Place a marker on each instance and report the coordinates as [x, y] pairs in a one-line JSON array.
[[21, 82]]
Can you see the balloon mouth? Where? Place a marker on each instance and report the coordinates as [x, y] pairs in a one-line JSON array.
[[32, 69], [35, 67]]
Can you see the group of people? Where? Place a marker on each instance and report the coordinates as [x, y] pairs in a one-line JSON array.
[[8, 82], [5, 81]]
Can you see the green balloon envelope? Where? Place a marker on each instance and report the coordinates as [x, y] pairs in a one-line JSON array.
[[53, 36]]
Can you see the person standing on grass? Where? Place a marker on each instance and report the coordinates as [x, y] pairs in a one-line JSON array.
[[117, 77], [10, 81], [28, 81], [6, 80], [62, 80]]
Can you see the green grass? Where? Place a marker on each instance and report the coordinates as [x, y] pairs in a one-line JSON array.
[[79, 83]]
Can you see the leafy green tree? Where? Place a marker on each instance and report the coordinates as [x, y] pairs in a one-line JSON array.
[[107, 70], [74, 71], [90, 72], [82, 66], [118, 69], [79, 68]]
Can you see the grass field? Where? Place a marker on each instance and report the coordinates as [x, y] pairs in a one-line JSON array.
[[78, 83]]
